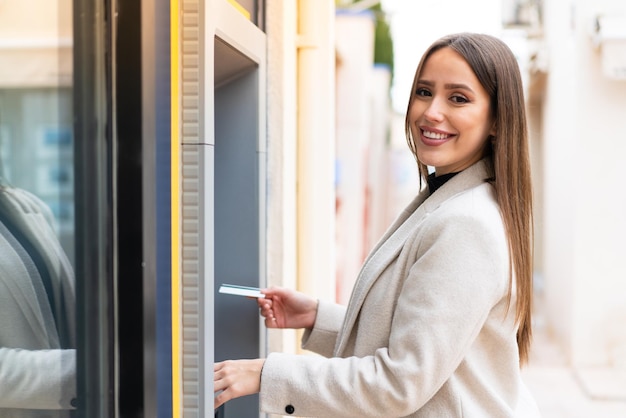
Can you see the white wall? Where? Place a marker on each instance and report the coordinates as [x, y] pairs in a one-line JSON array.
[[560, 170], [585, 198], [281, 22]]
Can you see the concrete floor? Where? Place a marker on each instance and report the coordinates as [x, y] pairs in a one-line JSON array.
[[563, 392]]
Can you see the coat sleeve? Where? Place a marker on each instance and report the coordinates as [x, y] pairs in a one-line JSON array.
[[37, 379], [322, 338], [458, 273]]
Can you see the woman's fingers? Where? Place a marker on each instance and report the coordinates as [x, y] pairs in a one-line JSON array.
[[266, 307], [271, 323], [265, 304], [235, 378], [221, 399]]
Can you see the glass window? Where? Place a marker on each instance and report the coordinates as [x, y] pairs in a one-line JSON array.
[[37, 283]]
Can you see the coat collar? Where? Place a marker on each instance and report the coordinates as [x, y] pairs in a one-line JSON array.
[[393, 240]]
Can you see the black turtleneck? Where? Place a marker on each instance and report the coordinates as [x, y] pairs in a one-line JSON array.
[[435, 182]]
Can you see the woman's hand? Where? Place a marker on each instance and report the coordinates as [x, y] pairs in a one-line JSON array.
[[286, 308], [236, 378]]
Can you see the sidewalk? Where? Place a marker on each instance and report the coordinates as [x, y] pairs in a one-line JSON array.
[[562, 392]]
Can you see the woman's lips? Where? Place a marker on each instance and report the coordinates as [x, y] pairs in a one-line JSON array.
[[434, 137]]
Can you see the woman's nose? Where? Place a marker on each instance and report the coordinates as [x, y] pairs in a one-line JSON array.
[[434, 111]]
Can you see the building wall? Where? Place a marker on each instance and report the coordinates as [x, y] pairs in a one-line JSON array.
[[584, 199], [300, 142], [355, 56], [281, 27], [35, 50]]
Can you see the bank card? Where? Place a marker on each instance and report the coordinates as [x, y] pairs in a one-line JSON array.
[[233, 289]]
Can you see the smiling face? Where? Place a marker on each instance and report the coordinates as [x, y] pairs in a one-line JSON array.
[[449, 115]]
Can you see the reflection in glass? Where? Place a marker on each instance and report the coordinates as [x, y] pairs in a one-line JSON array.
[[37, 299]]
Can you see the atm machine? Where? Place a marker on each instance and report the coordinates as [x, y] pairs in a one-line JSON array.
[[228, 158]]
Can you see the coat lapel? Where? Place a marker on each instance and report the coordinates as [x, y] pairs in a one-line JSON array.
[[14, 276], [393, 240], [33, 217]]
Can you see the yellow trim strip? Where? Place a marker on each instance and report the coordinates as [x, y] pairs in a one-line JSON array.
[[175, 208], [240, 8]]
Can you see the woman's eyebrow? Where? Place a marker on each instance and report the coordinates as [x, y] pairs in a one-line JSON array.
[[447, 86], [426, 83], [452, 86]]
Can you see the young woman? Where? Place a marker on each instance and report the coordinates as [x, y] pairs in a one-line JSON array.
[[439, 322]]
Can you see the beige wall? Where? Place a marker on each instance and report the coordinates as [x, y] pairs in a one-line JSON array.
[[31, 19], [300, 143], [35, 50]]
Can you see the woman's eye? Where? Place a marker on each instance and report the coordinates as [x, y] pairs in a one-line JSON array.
[[423, 92], [459, 99]]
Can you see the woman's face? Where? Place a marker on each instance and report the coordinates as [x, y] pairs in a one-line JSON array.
[[449, 114]]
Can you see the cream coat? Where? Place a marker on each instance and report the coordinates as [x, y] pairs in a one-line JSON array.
[[427, 332], [37, 378]]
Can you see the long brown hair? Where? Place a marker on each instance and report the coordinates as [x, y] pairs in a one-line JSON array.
[[497, 70]]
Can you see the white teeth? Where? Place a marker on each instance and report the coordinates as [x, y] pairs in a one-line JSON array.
[[435, 135]]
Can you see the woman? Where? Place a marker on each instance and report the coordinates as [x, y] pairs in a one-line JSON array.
[[37, 355], [439, 319]]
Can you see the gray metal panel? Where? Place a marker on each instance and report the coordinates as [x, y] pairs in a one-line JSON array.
[[232, 63], [190, 287], [191, 201], [237, 226]]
